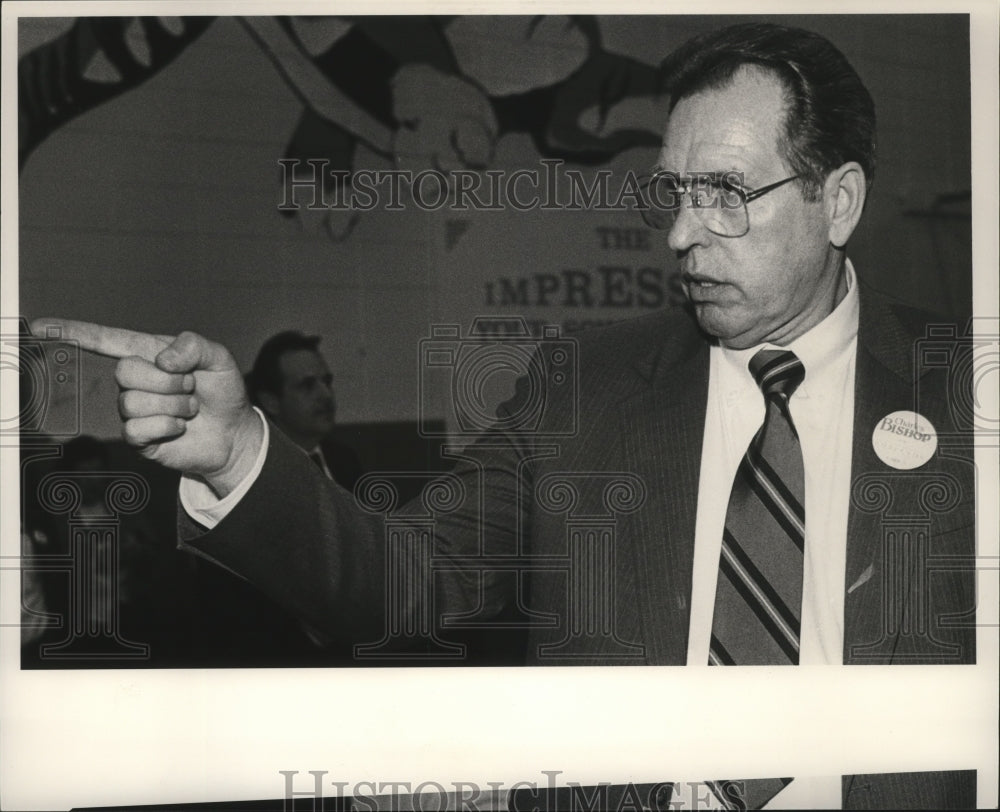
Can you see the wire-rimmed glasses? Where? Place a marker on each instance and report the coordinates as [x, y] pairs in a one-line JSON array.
[[718, 199]]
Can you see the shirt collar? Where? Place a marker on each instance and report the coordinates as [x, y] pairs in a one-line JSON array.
[[818, 347]]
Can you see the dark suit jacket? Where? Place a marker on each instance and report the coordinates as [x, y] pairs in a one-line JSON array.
[[343, 462], [577, 515]]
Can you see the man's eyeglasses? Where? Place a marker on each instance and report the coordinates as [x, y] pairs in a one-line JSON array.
[[719, 200]]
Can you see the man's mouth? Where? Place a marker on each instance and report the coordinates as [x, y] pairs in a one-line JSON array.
[[699, 282]]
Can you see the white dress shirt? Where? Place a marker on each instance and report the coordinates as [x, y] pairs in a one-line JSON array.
[[200, 502]]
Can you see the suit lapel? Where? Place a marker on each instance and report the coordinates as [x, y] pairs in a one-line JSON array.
[[883, 384], [662, 423]]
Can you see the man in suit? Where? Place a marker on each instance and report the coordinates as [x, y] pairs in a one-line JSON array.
[[292, 384], [626, 511]]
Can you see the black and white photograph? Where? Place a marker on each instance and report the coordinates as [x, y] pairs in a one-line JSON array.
[[380, 388]]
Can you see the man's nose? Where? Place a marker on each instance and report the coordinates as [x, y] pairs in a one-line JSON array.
[[688, 229]]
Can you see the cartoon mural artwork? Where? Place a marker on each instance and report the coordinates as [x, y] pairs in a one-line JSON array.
[[412, 92], [444, 96], [95, 60]]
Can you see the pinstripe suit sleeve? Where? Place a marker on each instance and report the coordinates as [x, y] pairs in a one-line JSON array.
[[307, 544]]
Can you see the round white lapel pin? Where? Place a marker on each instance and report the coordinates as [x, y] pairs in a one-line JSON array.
[[904, 440]]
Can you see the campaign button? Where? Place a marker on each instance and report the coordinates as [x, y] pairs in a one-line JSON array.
[[904, 440]]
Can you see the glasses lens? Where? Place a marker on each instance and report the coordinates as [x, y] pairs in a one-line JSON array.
[[727, 218], [661, 197], [720, 207], [731, 194]]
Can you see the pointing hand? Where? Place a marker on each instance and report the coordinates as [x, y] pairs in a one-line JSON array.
[[182, 400]]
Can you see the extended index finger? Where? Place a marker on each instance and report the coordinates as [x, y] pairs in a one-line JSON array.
[[111, 341]]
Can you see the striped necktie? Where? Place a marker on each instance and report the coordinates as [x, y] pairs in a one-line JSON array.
[[758, 600]]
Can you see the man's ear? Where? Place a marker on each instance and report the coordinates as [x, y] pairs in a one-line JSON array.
[[268, 402], [844, 196]]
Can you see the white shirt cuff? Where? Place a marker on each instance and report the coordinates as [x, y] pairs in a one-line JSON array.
[[201, 503]]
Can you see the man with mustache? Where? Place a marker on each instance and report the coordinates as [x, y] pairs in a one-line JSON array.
[[752, 533]]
